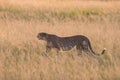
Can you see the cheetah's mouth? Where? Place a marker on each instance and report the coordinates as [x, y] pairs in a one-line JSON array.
[[38, 37]]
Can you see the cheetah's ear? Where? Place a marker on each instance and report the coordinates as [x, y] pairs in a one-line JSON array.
[[44, 34]]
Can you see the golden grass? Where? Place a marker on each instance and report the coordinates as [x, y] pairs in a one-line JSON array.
[[20, 51]]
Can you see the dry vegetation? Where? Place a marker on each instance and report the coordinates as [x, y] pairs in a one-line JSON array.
[[20, 51]]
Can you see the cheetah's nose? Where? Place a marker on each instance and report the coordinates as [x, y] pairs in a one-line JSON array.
[[37, 36]]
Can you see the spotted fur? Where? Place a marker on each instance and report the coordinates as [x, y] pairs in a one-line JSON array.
[[81, 43]]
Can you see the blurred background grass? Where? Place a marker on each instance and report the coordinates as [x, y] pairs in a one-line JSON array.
[[20, 51]]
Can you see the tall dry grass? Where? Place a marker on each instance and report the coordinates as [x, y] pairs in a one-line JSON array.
[[20, 51]]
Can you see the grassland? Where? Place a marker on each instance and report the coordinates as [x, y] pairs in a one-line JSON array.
[[20, 51]]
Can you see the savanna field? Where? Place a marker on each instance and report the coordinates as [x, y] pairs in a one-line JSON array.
[[21, 52]]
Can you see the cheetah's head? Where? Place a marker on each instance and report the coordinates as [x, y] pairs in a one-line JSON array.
[[42, 36]]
